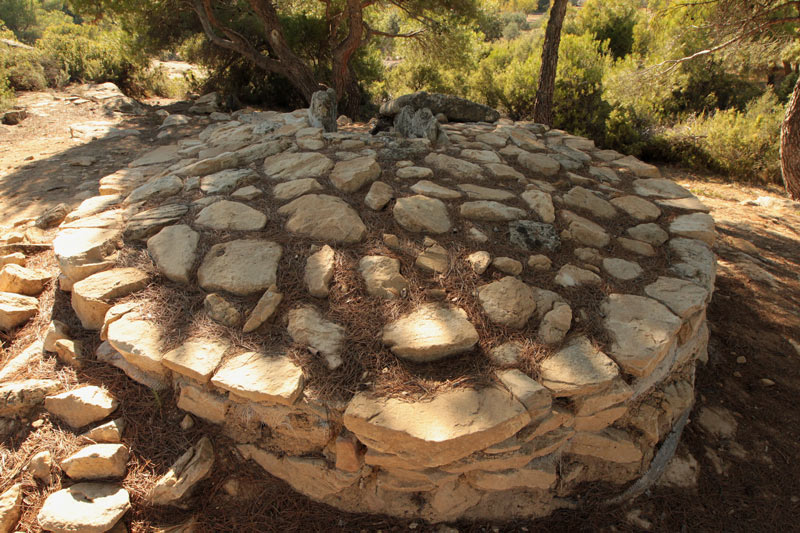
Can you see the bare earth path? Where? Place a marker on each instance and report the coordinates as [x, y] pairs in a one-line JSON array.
[[748, 480]]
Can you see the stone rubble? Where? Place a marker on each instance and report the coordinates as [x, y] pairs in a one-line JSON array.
[[259, 212]]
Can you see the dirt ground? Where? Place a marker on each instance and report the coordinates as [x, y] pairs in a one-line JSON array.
[[750, 482]]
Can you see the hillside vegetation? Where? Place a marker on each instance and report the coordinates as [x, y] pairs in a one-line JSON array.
[[615, 83]]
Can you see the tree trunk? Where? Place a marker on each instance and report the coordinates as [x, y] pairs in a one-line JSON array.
[[543, 106], [344, 80], [790, 145]]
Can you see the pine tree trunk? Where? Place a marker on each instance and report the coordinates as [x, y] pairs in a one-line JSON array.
[[790, 145], [543, 106]]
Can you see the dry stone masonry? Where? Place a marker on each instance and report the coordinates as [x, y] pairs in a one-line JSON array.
[[550, 295]]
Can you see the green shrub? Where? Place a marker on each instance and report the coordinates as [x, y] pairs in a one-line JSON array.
[[744, 144], [23, 69]]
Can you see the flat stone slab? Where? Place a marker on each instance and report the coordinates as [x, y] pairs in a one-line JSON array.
[[580, 198], [21, 280], [97, 461], [287, 167], [350, 176], [458, 168], [231, 216], [422, 214], [261, 378], [453, 425], [476, 192], [642, 329], [382, 276], [539, 163], [490, 211], [683, 298], [541, 203], [660, 188], [430, 333], [292, 189], [325, 218], [533, 236], [637, 207], [583, 230], [148, 223], [16, 309], [578, 369], [308, 327], [84, 507], [433, 190], [225, 181], [91, 297], [242, 267], [174, 250], [75, 248], [19, 396], [694, 226], [196, 358], [81, 406], [139, 341]]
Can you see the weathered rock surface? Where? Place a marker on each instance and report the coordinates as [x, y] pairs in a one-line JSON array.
[[454, 108], [306, 326], [19, 396], [325, 218], [422, 214], [508, 302], [490, 211], [577, 369], [430, 333], [382, 276], [319, 271], [261, 378], [174, 250], [350, 176], [92, 297], [230, 216], [264, 309], [451, 426], [242, 267], [190, 468], [16, 309], [21, 280], [287, 167], [84, 507], [97, 461], [196, 358], [81, 406]]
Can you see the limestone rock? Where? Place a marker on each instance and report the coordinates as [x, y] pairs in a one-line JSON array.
[[196, 358], [556, 323], [642, 329], [540, 262], [110, 432], [622, 269], [639, 168], [15, 258], [507, 265], [578, 369], [433, 190], [538, 474], [325, 218], [531, 394], [24, 360], [75, 248], [264, 309], [319, 272], [81, 406], [490, 211], [242, 267], [157, 189], [508, 302], [637, 207], [224, 181], [40, 467], [20, 396], [231, 216], [637, 247], [684, 204], [287, 167], [158, 380], [70, 352], [540, 203], [147, 223], [583, 230], [413, 172], [693, 260], [350, 176], [422, 214], [572, 276], [174, 250], [650, 233], [452, 166], [261, 378], [292, 189], [97, 461], [430, 333], [683, 298], [507, 353], [21, 280], [476, 192], [451, 426], [454, 108], [91, 297], [204, 404], [433, 258], [84, 507], [693, 226], [580, 198], [610, 444], [184, 474], [539, 163], [382, 276], [479, 261], [660, 188], [378, 196], [16, 309], [140, 342], [306, 326]]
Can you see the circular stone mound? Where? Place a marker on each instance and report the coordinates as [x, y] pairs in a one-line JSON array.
[[517, 314]]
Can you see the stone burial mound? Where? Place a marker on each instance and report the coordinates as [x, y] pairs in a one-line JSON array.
[[474, 329]]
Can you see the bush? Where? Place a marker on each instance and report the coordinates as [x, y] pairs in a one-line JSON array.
[[744, 144]]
